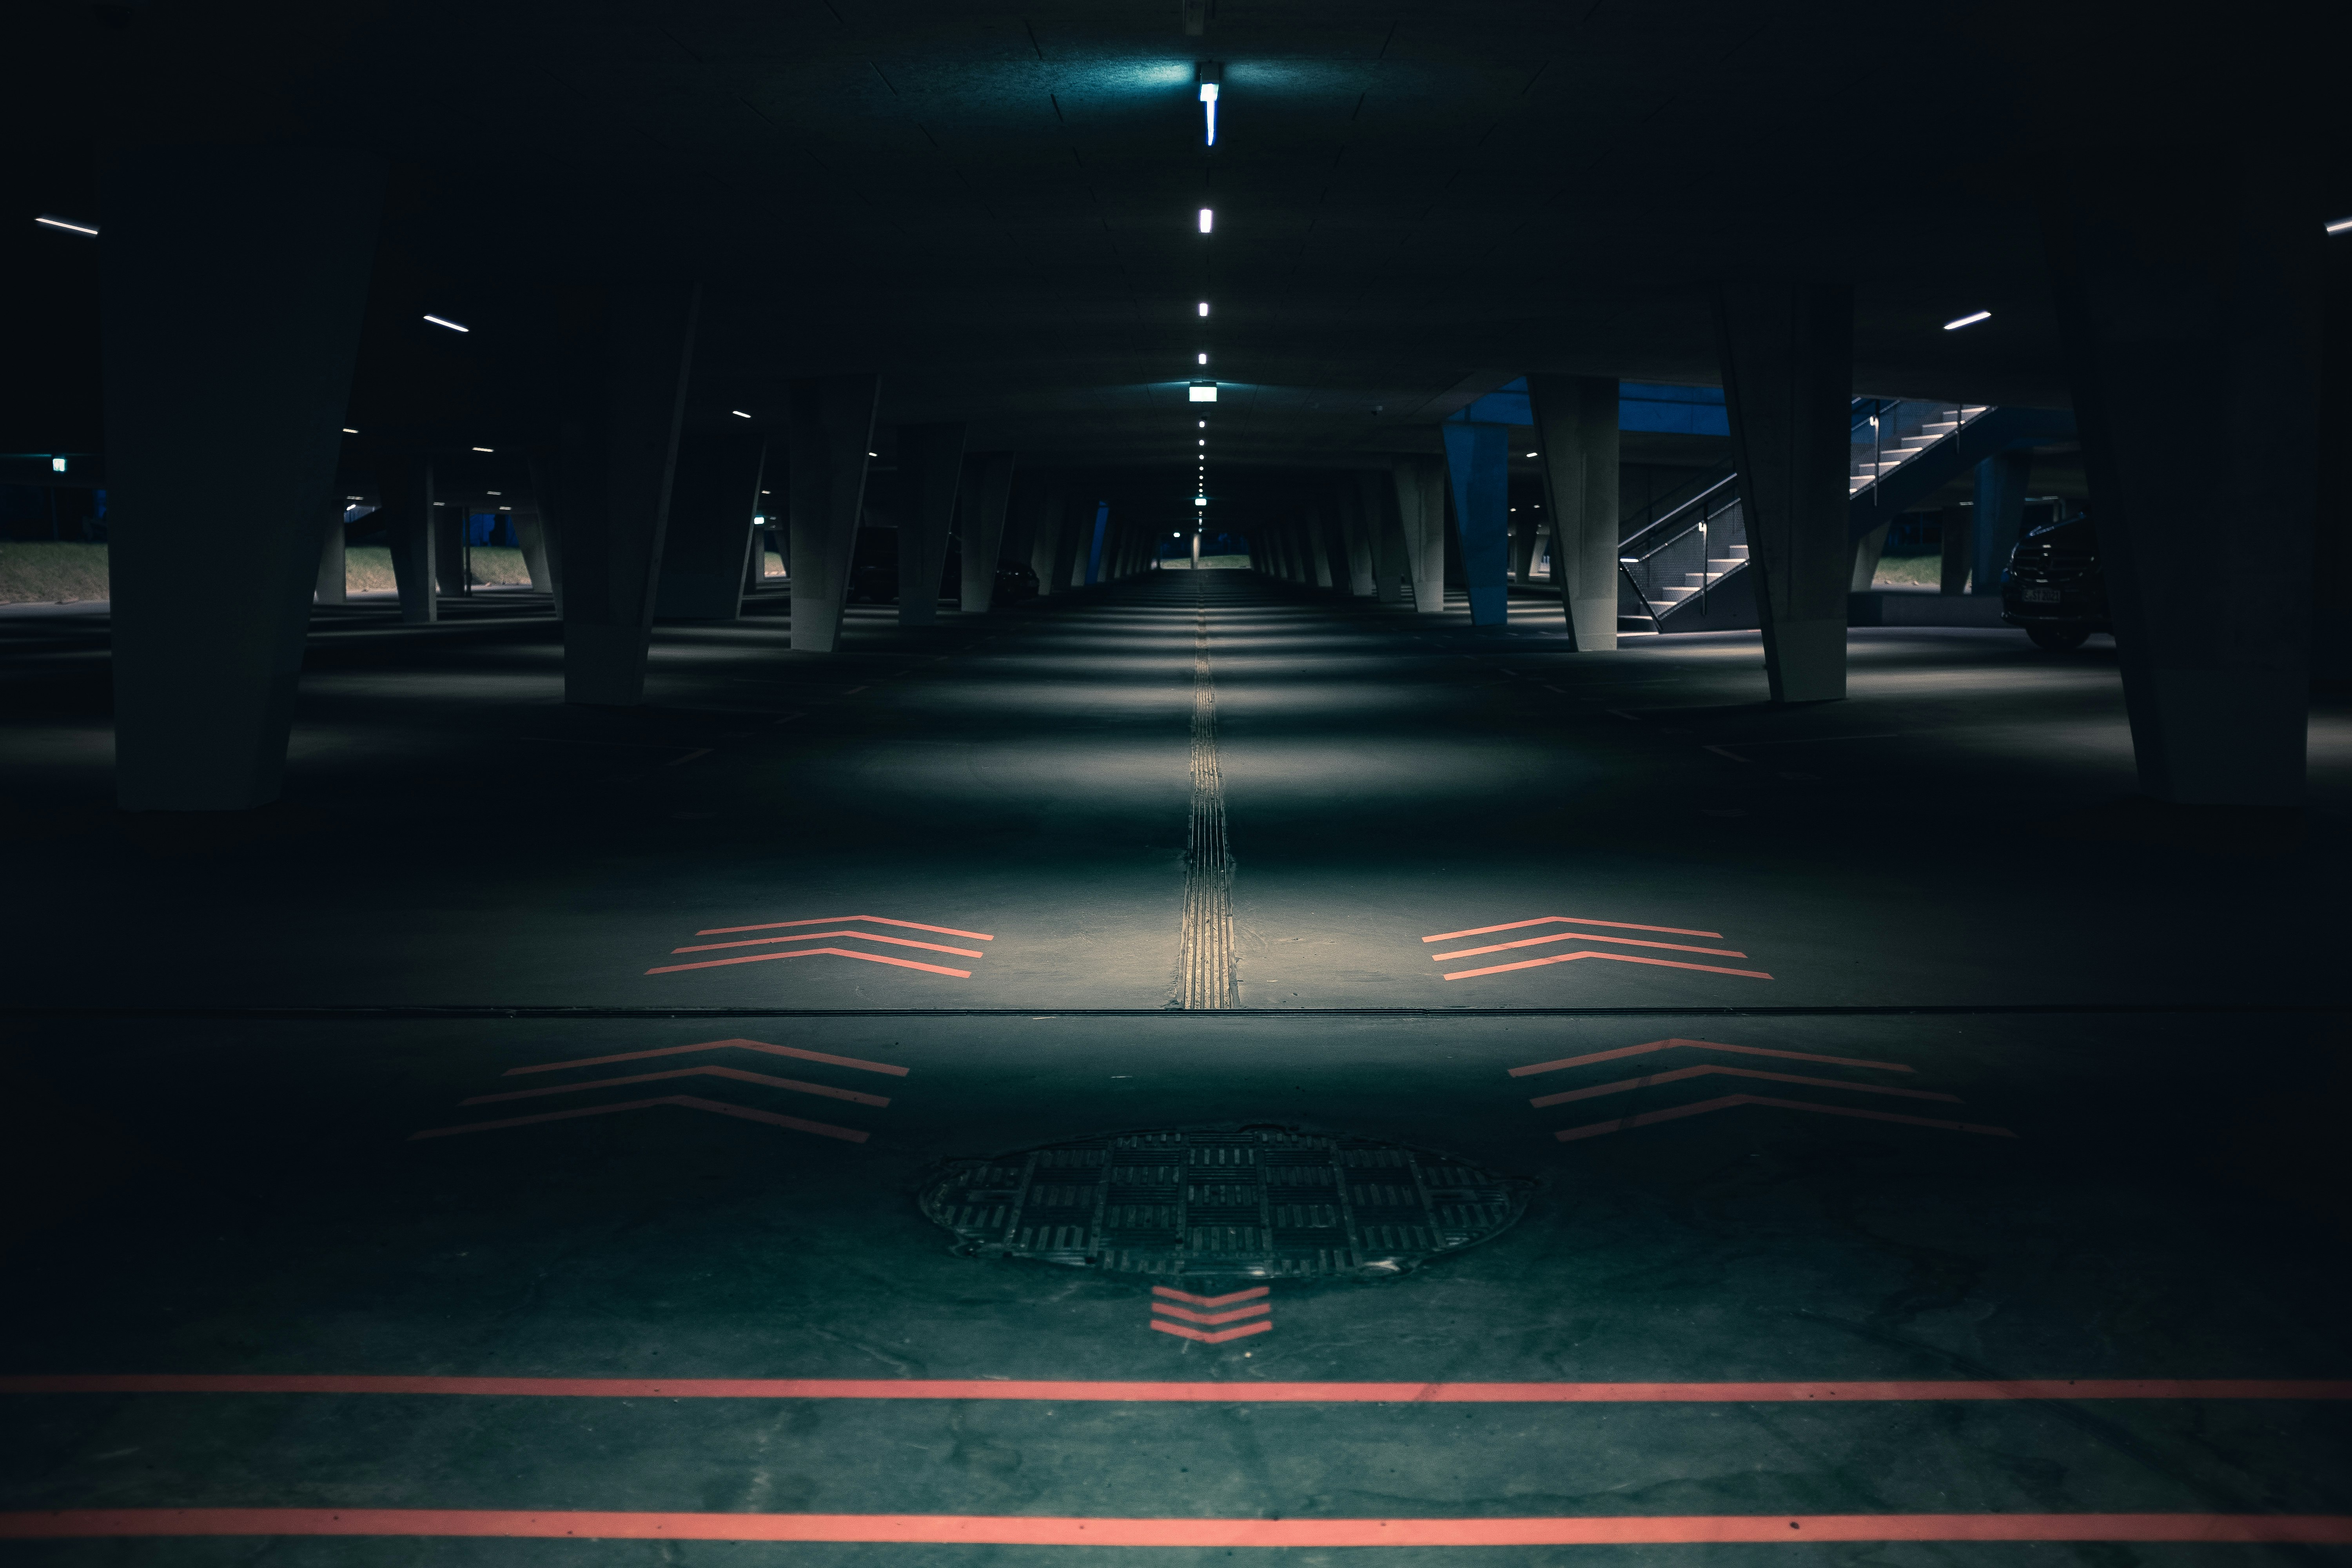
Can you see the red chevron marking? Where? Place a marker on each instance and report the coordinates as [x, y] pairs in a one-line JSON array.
[[818, 935], [1574, 936], [1714, 1068], [691, 1102], [1254, 1309], [828, 920], [1669, 1044], [1619, 957], [814, 951], [1251, 1294], [1647, 1117], [1213, 1337], [706, 1070], [806, 1055], [1565, 920]]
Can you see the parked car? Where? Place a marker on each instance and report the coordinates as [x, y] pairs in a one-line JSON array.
[[2054, 587], [874, 572]]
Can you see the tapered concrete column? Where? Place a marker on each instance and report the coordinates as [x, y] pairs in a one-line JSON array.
[[1577, 437], [2000, 517], [1045, 536], [549, 547], [1478, 458], [334, 573], [448, 521], [1952, 573], [708, 538], [628, 361], [1867, 551], [1421, 517], [232, 282], [1318, 553], [831, 428], [531, 535], [2192, 280], [406, 484], [1376, 495], [987, 490], [1070, 548], [1355, 538], [1788, 377], [1525, 534], [930, 468]]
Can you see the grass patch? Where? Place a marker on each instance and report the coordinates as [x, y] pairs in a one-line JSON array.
[[47, 572], [367, 569], [1909, 571]]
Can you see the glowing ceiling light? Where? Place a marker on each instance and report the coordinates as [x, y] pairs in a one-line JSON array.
[[349, 431], [1208, 219], [1209, 109], [2341, 225], [1968, 321], [482, 448], [1204, 304], [1535, 454], [57, 465], [1199, 501], [738, 414], [451, 325], [51, 220], [1204, 391]]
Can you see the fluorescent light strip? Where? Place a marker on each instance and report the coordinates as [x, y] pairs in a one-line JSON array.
[[738, 414], [2341, 225], [451, 325], [50, 220], [1968, 320], [1208, 218]]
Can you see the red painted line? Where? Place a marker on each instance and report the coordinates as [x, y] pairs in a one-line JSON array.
[[1255, 1309], [1563, 920], [1044, 1530], [1714, 1068], [691, 1101], [738, 1074], [1860, 1392], [1649, 1045], [1251, 1294], [813, 953], [818, 935], [832, 919], [1576, 936], [1572, 957], [1213, 1336], [719, 1044], [1647, 1117]]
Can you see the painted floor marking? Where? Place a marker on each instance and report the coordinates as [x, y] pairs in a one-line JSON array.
[[1232, 1392], [1619, 957], [870, 920], [796, 1086], [806, 1055], [1574, 936], [1042, 1530], [820, 935], [1650, 1117], [691, 1102], [1626, 1085], [1547, 920], [1255, 1306], [1678, 1043], [813, 953]]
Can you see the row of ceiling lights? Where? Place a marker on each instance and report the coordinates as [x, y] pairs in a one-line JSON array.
[[1210, 75]]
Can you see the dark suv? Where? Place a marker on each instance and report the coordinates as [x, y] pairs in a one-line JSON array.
[[2054, 587]]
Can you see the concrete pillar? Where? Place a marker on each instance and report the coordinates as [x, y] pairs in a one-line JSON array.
[[1421, 519], [542, 542], [1867, 551], [710, 535], [627, 364], [2191, 283], [987, 490], [1318, 546], [832, 428], [1956, 527], [1376, 498], [1090, 547], [334, 575], [232, 281], [1077, 530], [448, 517], [406, 482], [1577, 441], [1356, 538], [1046, 537], [1477, 462], [930, 467], [2002, 481], [1525, 534], [1788, 376]]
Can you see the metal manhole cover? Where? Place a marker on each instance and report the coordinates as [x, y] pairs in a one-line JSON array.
[[1254, 1203]]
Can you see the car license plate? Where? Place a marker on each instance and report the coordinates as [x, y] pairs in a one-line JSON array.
[[2041, 596]]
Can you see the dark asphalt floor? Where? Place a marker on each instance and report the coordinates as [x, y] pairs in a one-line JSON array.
[[2011, 1077]]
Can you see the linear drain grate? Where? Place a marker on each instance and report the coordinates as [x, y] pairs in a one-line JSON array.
[[1255, 1204]]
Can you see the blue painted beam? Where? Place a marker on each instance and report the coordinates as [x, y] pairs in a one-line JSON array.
[[1477, 459]]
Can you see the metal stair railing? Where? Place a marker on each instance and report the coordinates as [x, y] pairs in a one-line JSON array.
[[1685, 543]]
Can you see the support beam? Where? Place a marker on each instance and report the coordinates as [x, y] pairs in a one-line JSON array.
[[449, 521], [1788, 352], [1421, 520], [1318, 546], [404, 481], [708, 539], [1049, 501], [1377, 495], [2001, 482], [930, 468], [1477, 462], [1577, 441], [830, 430], [979, 520], [1527, 533], [1867, 551], [2192, 281], [1355, 538], [1955, 528], [628, 367], [334, 570], [531, 535], [232, 281]]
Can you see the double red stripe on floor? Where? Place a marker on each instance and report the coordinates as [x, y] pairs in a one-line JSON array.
[[997, 1530]]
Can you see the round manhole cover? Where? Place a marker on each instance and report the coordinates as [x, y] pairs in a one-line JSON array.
[[1250, 1203]]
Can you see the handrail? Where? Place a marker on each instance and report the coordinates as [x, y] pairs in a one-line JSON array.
[[1699, 499]]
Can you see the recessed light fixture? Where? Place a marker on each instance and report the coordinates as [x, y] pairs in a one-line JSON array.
[[738, 414], [1204, 391], [1204, 304], [351, 498], [1204, 359], [1970, 320], [451, 325], [1205, 440], [51, 220], [1208, 72], [1535, 454], [1199, 501], [57, 465], [484, 448], [2341, 225], [494, 492], [1208, 219], [349, 431]]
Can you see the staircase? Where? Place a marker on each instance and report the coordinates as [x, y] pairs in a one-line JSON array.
[[1674, 563]]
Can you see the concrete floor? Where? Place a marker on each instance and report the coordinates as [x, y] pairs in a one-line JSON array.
[[2009, 1078]]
